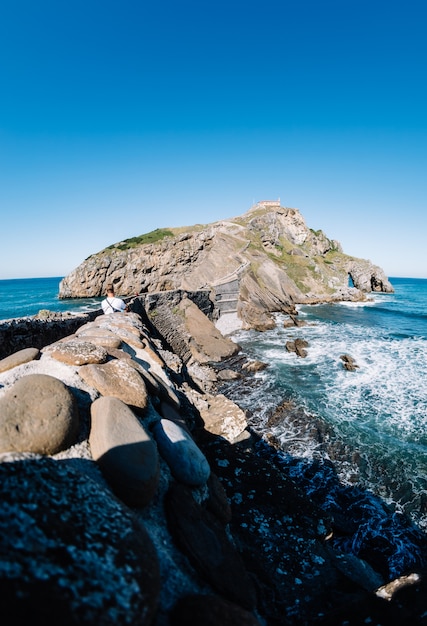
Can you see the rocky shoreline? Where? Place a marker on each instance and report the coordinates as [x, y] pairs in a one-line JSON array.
[[135, 492]]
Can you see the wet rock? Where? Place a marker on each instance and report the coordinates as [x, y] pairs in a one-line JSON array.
[[38, 413], [348, 362], [124, 451], [298, 346], [279, 531], [357, 570]]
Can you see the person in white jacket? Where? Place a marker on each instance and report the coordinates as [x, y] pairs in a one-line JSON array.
[[111, 304]]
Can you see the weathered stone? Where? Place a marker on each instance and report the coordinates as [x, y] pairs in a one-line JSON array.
[[38, 414], [152, 354], [203, 375], [130, 338], [100, 337], [140, 366], [70, 552], [77, 352], [255, 366], [186, 461], [124, 451], [206, 342], [118, 379], [228, 374], [119, 353], [290, 346], [129, 321], [280, 533], [92, 326], [151, 382], [124, 326], [395, 586], [255, 318], [223, 417], [204, 539], [19, 358]]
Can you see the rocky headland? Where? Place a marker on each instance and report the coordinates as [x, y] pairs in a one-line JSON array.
[[264, 261], [134, 491]]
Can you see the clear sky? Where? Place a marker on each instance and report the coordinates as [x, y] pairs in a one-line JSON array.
[[119, 117]]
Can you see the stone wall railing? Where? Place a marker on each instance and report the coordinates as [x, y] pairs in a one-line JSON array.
[[39, 331]]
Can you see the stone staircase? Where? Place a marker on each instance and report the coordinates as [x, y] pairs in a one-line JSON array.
[[226, 297], [227, 292]]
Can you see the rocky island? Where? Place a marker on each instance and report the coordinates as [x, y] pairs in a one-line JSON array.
[[264, 261], [134, 491]]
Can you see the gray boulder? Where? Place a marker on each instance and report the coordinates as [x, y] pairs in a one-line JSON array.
[[124, 451], [186, 461]]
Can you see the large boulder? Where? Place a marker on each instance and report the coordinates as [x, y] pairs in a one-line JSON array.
[[38, 413], [124, 451]]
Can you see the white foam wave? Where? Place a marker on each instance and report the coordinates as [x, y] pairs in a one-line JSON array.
[[379, 409], [355, 305]]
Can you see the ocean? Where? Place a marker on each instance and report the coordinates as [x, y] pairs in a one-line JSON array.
[[356, 441], [23, 297]]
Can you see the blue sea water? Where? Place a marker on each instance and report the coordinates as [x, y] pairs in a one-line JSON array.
[[371, 452], [23, 297]]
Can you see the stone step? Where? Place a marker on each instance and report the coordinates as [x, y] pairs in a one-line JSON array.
[[231, 307], [230, 298]]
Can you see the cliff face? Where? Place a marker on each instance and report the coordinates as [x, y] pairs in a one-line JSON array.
[[264, 261]]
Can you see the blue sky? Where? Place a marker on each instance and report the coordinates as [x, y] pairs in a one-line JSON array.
[[117, 118]]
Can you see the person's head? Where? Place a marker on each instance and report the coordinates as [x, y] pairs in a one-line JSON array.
[[110, 291]]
